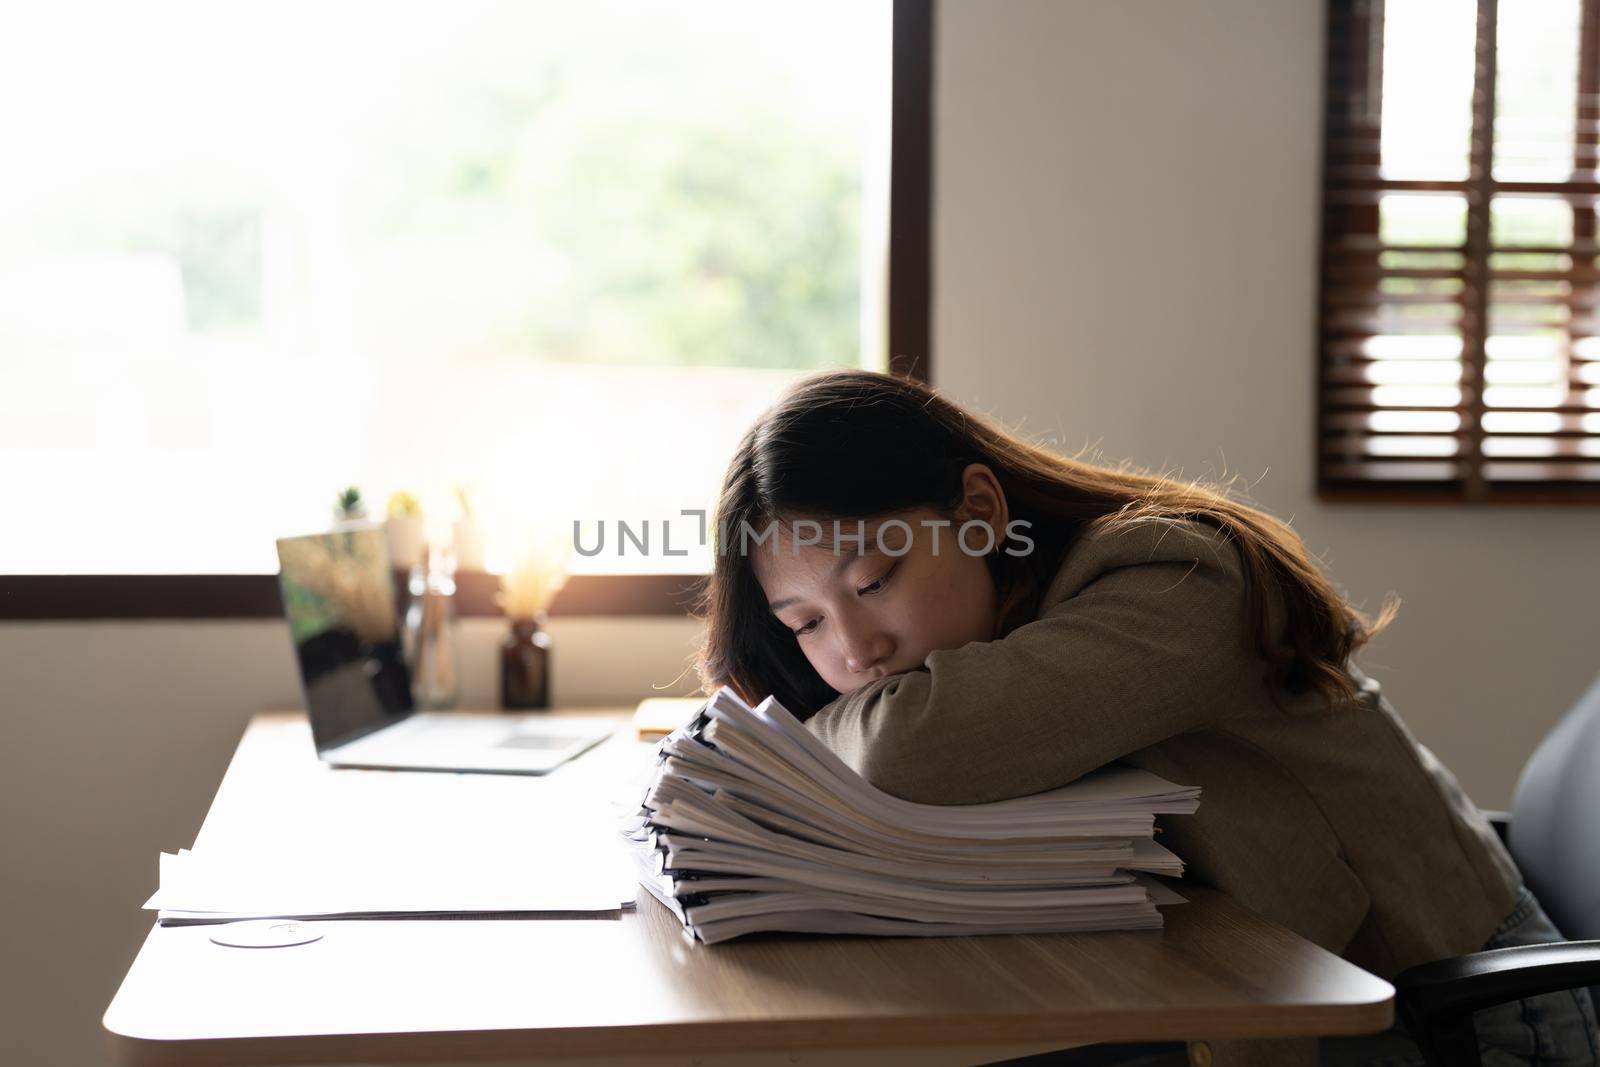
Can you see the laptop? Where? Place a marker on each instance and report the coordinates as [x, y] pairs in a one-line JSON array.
[[338, 595]]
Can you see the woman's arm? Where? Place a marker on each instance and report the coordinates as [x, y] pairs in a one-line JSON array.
[[1143, 637]]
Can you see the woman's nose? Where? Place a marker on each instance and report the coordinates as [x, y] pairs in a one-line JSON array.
[[865, 648]]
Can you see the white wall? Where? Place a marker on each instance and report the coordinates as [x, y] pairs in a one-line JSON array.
[[1126, 242]]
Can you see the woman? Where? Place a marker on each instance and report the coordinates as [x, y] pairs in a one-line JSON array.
[[965, 617]]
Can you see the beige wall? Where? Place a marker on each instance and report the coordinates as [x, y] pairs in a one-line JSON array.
[[1126, 249], [1120, 263]]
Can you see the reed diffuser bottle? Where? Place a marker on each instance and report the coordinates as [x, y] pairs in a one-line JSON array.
[[525, 596], [525, 665]]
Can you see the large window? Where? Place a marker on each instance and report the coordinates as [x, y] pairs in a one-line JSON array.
[[1460, 348], [557, 255]]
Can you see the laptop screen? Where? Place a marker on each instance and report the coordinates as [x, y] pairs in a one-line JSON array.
[[338, 594]]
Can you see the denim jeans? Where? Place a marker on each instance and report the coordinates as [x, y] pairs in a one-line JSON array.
[[1552, 1030]]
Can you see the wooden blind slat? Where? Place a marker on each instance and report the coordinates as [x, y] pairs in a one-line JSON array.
[[1365, 398], [1337, 422]]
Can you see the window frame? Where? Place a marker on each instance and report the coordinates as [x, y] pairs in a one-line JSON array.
[[1352, 118], [61, 597]]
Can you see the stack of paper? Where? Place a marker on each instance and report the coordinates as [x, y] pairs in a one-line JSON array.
[[749, 823]]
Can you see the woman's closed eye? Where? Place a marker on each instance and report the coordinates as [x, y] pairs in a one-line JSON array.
[[877, 584], [871, 588]]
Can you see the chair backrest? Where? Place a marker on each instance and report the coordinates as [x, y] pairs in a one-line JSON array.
[[1555, 820]]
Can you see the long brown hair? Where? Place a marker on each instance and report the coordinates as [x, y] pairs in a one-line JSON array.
[[855, 444]]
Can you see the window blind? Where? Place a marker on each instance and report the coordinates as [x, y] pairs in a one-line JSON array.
[[1459, 324]]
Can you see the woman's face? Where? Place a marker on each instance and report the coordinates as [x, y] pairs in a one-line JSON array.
[[863, 611]]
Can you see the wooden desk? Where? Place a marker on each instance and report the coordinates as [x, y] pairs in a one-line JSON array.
[[514, 991]]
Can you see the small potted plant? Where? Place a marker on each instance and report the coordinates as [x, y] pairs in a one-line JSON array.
[[403, 529], [349, 509]]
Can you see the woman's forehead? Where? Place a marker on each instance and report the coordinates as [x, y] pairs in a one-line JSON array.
[[802, 554], [816, 537]]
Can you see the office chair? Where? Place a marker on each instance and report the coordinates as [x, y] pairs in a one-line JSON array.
[[1553, 832]]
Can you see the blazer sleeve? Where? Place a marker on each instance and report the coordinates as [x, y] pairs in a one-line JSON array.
[[1143, 636]]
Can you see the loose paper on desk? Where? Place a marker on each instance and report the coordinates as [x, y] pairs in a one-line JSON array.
[[355, 843]]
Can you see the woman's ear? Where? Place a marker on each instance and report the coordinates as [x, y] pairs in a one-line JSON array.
[[984, 500]]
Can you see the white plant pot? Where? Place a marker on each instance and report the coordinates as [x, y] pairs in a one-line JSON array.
[[406, 540], [469, 545]]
